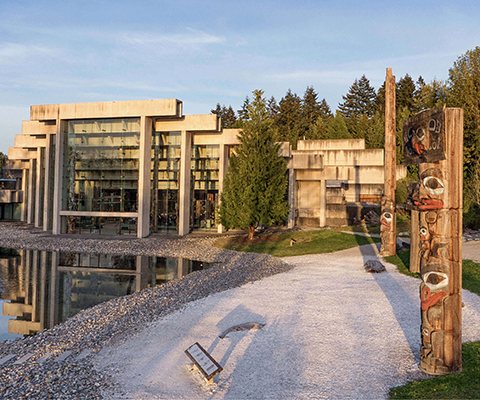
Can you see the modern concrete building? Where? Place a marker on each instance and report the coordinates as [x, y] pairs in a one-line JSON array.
[[137, 167]]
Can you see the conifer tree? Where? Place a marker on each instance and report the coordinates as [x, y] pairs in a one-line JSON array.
[[360, 99], [288, 121], [256, 181], [464, 92], [338, 128], [325, 111], [405, 94], [227, 115]]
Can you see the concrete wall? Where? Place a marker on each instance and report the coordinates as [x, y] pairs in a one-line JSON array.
[[336, 144], [112, 109]]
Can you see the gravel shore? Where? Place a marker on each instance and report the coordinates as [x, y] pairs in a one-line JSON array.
[[114, 321]]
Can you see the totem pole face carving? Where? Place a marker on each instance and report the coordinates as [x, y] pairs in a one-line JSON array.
[[386, 219], [423, 138], [434, 291], [428, 193]]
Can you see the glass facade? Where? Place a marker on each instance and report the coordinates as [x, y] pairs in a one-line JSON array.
[[205, 173], [165, 176], [101, 164]]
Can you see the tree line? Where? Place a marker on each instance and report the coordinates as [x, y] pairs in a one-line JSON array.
[[361, 115]]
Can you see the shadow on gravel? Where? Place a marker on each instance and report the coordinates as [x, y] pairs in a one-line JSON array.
[[403, 305]]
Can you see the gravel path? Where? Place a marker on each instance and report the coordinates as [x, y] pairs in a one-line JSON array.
[[354, 335], [331, 331]]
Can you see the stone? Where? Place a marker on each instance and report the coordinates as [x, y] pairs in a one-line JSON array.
[[374, 266]]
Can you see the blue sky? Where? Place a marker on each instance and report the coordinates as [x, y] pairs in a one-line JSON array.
[[209, 52]]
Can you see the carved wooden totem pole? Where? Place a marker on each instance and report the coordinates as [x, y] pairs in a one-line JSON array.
[[433, 139], [388, 221]]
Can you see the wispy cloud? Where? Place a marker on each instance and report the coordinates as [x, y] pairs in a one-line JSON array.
[[343, 72], [192, 38], [58, 83], [14, 52]]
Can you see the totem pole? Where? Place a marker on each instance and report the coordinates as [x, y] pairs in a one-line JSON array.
[[433, 139], [388, 220]]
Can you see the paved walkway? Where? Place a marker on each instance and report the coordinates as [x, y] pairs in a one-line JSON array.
[[331, 331]]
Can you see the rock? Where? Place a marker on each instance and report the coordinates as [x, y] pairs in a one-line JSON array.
[[374, 266]]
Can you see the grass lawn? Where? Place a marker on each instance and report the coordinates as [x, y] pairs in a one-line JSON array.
[[306, 242], [465, 385]]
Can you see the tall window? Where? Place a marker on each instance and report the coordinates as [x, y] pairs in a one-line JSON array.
[[205, 169], [101, 165], [165, 181]]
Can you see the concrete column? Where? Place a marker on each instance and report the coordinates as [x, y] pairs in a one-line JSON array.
[[182, 267], [143, 226], [222, 172], [34, 276], [24, 206], [31, 191], [54, 295], [47, 209], [58, 176], [38, 189], [291, 196], [184, 189], [323, 203], [141, 280], [43, 289]]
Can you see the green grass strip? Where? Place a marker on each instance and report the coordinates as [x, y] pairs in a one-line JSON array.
[[465, 385], [306, 242]]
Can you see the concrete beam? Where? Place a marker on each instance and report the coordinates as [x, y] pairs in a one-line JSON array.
[[110, 109]]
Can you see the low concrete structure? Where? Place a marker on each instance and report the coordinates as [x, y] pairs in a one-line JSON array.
[[137, 167], [335, 180]]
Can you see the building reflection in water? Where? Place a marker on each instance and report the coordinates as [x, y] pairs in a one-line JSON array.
[[42, 289]]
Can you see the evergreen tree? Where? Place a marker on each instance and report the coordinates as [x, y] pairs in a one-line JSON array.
[[310, 108], [338, 128], [464, 92], [325, 111], [273, 108], [227, 115], [405, 94], [375, 137], [429, 95], [243, 112], [318, 131], [360, 99], [288, 121], [256, 181]]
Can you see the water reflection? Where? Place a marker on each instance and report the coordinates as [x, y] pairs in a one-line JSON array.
[[42, 289]]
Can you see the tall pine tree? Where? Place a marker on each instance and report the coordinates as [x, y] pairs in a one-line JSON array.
[[361, 99], [227, 115], [464, 92], [256, 181], [288, 121]]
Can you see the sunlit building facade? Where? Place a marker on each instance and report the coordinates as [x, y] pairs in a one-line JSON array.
[[142, 167], [133, 168]]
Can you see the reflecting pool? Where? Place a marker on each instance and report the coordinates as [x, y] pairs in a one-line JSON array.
[[40, 289]]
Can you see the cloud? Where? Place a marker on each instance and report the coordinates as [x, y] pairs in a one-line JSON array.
[[58, 83], [13, 52], [344, 72], [193, 38]]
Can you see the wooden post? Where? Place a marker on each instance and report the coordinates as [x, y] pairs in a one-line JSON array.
[[388, 219], [414, 243], [433, 139]]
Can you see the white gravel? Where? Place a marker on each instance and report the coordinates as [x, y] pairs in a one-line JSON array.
[[331, 331]]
